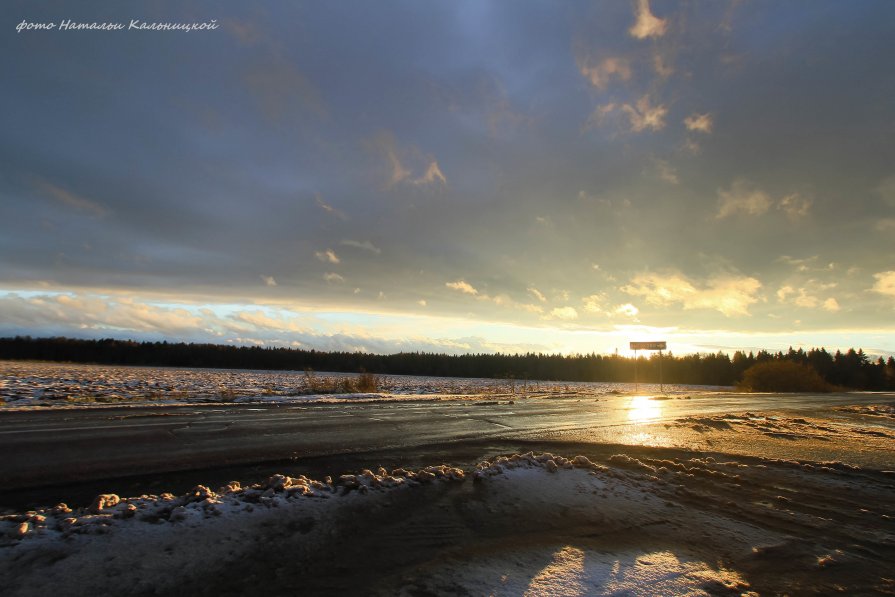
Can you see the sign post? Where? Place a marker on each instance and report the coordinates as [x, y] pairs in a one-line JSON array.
[[658, 345]]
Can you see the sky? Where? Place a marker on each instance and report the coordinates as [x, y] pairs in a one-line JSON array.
[[451, 176]]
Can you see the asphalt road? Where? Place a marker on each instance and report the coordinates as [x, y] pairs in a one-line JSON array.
[[54, 447]]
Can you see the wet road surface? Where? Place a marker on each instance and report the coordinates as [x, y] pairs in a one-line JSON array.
[[51, 447]]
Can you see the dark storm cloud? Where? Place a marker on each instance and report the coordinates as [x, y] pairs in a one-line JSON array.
[[511, 145]]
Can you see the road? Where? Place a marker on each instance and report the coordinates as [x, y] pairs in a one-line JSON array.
[[64, 446]]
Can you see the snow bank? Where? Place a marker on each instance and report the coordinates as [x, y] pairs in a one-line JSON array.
[[522, 524], [154, 542]]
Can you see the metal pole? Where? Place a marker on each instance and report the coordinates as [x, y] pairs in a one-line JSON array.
[[661, 385], [636, 384]]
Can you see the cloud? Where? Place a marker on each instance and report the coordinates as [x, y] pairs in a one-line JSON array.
[[885, 283], [600, 74], [537, 294], [627, 310], [462, 286], [600, 114], [802, 265], [784, 292], [70, 199], [93, 312], [667, 172], [661, 66], [501, 300], [886, 190], [728, 294], [328, 208], [333, 278], [327, 256], [646, 24], [269, 280], [699, 122], [398, 172], [594, 303], [364, 246], [641, 115], [397, 158], [103, 316], [563, 313], [743, 198], [690, 146], [803, 299], [806, 297], [433, 174], [795, 206]]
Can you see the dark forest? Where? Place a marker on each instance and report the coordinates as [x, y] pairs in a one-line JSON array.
[[852, 369]]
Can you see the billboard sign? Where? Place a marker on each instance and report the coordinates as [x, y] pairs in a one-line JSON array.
[[648, 345]]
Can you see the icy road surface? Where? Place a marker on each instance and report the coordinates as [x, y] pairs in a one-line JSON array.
[[56, 446]]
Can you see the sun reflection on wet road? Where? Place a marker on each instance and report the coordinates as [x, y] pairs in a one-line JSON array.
[[643, 409]]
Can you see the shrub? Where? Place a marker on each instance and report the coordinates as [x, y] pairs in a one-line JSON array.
[[367, 382], [782, 376]]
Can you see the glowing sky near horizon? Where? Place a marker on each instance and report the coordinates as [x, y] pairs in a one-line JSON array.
[[465, 176]]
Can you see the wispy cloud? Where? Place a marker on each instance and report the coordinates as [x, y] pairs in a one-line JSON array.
[[667, 172], [362, 245], [729, 294], [646, 24], [641, 115], [806, 296], [594, 303], [795, 206], [397, 158], [886, 190], [537, 294], [328, 256], [433, 175], [601, 73], [328, 208], [333, 278], [742, 198], [831, 305], [563, 313], [462, 286], [627, 309], [268, 280], [885, 283], [70, 199], [702, 123], [101, 313], [661, 65]]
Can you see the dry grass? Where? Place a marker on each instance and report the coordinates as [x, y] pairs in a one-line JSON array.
[[363, 383]]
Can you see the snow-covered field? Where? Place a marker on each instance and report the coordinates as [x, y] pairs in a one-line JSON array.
[[24, 384]]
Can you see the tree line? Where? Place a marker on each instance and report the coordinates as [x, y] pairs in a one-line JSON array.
[[852, 369]]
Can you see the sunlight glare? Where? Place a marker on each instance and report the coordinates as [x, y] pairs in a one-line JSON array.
[[643, 409]]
